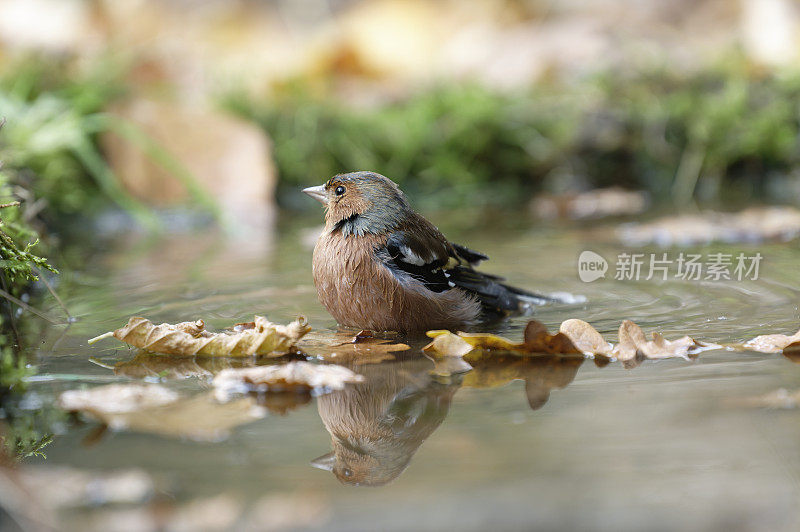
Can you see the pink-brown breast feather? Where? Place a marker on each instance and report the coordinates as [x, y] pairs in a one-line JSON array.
[[361, 292]]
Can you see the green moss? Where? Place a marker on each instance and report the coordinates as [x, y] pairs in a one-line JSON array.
[[678, 135]]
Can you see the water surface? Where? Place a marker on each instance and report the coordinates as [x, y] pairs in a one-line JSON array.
[[547, 443]]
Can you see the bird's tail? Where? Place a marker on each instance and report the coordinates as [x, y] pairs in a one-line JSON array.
[[497, 296]]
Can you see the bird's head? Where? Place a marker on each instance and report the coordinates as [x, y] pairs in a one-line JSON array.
[[361, 202]]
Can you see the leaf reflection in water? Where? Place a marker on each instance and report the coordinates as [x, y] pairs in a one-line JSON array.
[[377, 426], [540, 373]]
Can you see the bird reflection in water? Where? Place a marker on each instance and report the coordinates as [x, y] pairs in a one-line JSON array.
[[377, 426]]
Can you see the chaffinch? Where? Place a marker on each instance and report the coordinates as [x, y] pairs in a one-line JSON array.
[[379, 265]]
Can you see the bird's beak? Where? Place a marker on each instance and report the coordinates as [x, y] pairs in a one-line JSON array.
[[324, 462], [318, 193]]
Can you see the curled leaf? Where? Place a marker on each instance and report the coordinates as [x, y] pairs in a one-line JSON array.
[[574, 337], [631, 336], [191, 338], [537, 341], [772, 343], [585, 337], [447, 344], [634, 346], [292, 377]]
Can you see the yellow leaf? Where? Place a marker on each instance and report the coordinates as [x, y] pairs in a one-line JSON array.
[[537, 341], [447, 344]]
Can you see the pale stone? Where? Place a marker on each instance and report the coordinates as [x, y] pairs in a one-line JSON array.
[[229, 158]]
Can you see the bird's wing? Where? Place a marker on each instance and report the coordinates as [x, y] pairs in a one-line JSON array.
[[418, 252], [420, 256]]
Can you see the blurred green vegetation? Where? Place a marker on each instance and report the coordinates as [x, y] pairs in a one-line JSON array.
[[706, 135], [49, 145]]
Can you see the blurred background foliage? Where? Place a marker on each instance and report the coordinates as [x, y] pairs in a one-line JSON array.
[[727, 132]]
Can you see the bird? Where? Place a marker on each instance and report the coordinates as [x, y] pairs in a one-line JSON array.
[[381, 266]]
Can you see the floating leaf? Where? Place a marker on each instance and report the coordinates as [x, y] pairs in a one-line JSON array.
[[574, 337], [292, 377], [191, 338], [537, 341], [773, 343], [586, 338], [447, 344], [363, 348], [634, 346]]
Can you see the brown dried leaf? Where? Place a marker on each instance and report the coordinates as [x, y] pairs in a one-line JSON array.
[[363, 348], [586, 338], [772, 343], [191, 338], [631, 336], [292, 377], [537, 341], [633, 346], [792, 352]]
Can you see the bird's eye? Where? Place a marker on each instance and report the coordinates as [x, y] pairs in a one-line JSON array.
[[339, 190], [347, 472]]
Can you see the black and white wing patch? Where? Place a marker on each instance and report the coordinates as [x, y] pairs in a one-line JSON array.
[[404, 255], [440, 266]]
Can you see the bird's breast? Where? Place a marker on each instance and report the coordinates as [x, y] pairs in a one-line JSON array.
[[349, 280], [359, 291]]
